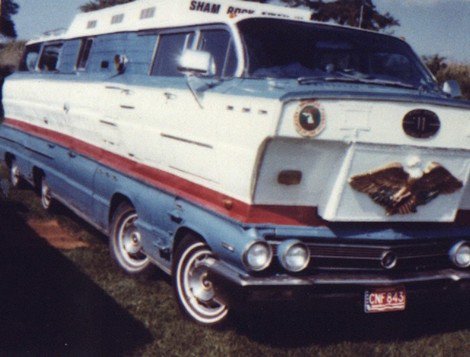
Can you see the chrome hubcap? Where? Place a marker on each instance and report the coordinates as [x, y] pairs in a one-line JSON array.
[[45, 195], [201, 288], [129, 243], [198, 291], [15, 175]]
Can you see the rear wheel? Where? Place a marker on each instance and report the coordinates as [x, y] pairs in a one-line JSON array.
[[194, 291], [125, 241], [15, 175], [47, 201]]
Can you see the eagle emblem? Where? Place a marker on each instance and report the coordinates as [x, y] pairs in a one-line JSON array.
[[401, 193]]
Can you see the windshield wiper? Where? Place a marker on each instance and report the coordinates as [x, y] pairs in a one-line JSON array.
[[348, 79]]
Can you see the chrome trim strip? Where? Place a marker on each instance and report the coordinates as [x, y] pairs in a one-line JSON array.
[[187, 141], [369, 96]]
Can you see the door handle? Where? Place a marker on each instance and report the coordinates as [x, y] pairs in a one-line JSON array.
[[169, 95], [72, 154], [66, 108], [121, 89]]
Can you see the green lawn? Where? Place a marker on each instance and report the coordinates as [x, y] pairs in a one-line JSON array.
[[78, 302]]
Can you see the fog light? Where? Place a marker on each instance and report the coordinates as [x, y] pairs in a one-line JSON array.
[[258, 256], [293, 255], [460, 254]]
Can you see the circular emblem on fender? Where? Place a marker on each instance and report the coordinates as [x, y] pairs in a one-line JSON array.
[[309, 119], [421, 124], [388, 260]]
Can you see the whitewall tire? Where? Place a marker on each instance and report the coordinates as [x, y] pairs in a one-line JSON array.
[[125, 241], [47, 201], [194, 291]]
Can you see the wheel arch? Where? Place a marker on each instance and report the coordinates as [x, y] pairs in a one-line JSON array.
[[38, 174], [117, 199], [183, 232], [9, 158]]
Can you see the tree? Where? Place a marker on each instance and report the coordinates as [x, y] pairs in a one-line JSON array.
[[360, 13], [8, 8], [93, 5], [435, 63]]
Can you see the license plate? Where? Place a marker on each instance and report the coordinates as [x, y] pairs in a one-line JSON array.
[[385, 300]]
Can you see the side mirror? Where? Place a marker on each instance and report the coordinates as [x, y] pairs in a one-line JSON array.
[[452, 88], [197, 62]]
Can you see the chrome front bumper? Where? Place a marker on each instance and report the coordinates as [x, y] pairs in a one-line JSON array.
[[329, 287]]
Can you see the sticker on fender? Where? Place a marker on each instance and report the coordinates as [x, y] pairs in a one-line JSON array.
[[385, 299]]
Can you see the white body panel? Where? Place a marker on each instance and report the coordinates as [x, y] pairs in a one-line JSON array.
[[237, 144]]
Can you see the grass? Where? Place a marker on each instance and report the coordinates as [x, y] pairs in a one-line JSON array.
[[79, 302]]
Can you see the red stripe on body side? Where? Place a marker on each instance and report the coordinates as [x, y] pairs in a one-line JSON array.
[[206, 197]]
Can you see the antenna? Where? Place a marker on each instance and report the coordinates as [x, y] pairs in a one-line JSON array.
[[361, 16]]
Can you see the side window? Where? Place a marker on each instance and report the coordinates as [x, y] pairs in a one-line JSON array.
[[170, 47], [30, 58], [50, 57], [220, 45], [84, 53]]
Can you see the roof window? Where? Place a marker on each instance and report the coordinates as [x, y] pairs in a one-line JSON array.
[[147, 13], [117, 19], [91, 24]]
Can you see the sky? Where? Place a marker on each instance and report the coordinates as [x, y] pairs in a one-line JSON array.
[[430, 26]]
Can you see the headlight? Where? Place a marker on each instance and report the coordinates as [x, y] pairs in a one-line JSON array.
[[460, 254], [293, 255], [258, 256]]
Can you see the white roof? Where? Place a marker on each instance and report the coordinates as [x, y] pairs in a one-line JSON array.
[[150, 14]]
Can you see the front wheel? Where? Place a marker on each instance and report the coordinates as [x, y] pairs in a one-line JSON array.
[[125, 242], [194, 291]]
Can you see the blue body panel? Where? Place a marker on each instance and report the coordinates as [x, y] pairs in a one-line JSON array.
[[88, 188]]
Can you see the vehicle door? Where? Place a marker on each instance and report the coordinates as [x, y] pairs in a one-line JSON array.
[[80, 108], [189, 119]]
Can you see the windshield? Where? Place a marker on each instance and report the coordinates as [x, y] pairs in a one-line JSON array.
[[310, 52]]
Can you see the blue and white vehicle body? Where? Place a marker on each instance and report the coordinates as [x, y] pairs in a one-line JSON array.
[[250, 152]]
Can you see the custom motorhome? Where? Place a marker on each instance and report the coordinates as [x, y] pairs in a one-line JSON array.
[[253, 154]]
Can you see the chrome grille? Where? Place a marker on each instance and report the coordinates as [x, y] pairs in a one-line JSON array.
[[362, 256]]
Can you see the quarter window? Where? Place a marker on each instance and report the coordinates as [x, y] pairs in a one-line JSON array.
[[30, 58], [50, 57], [84, 53], [170, 48]]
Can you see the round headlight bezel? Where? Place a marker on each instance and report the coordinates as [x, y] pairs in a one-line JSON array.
[[250, 248], [456, 250], [288, 246]]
